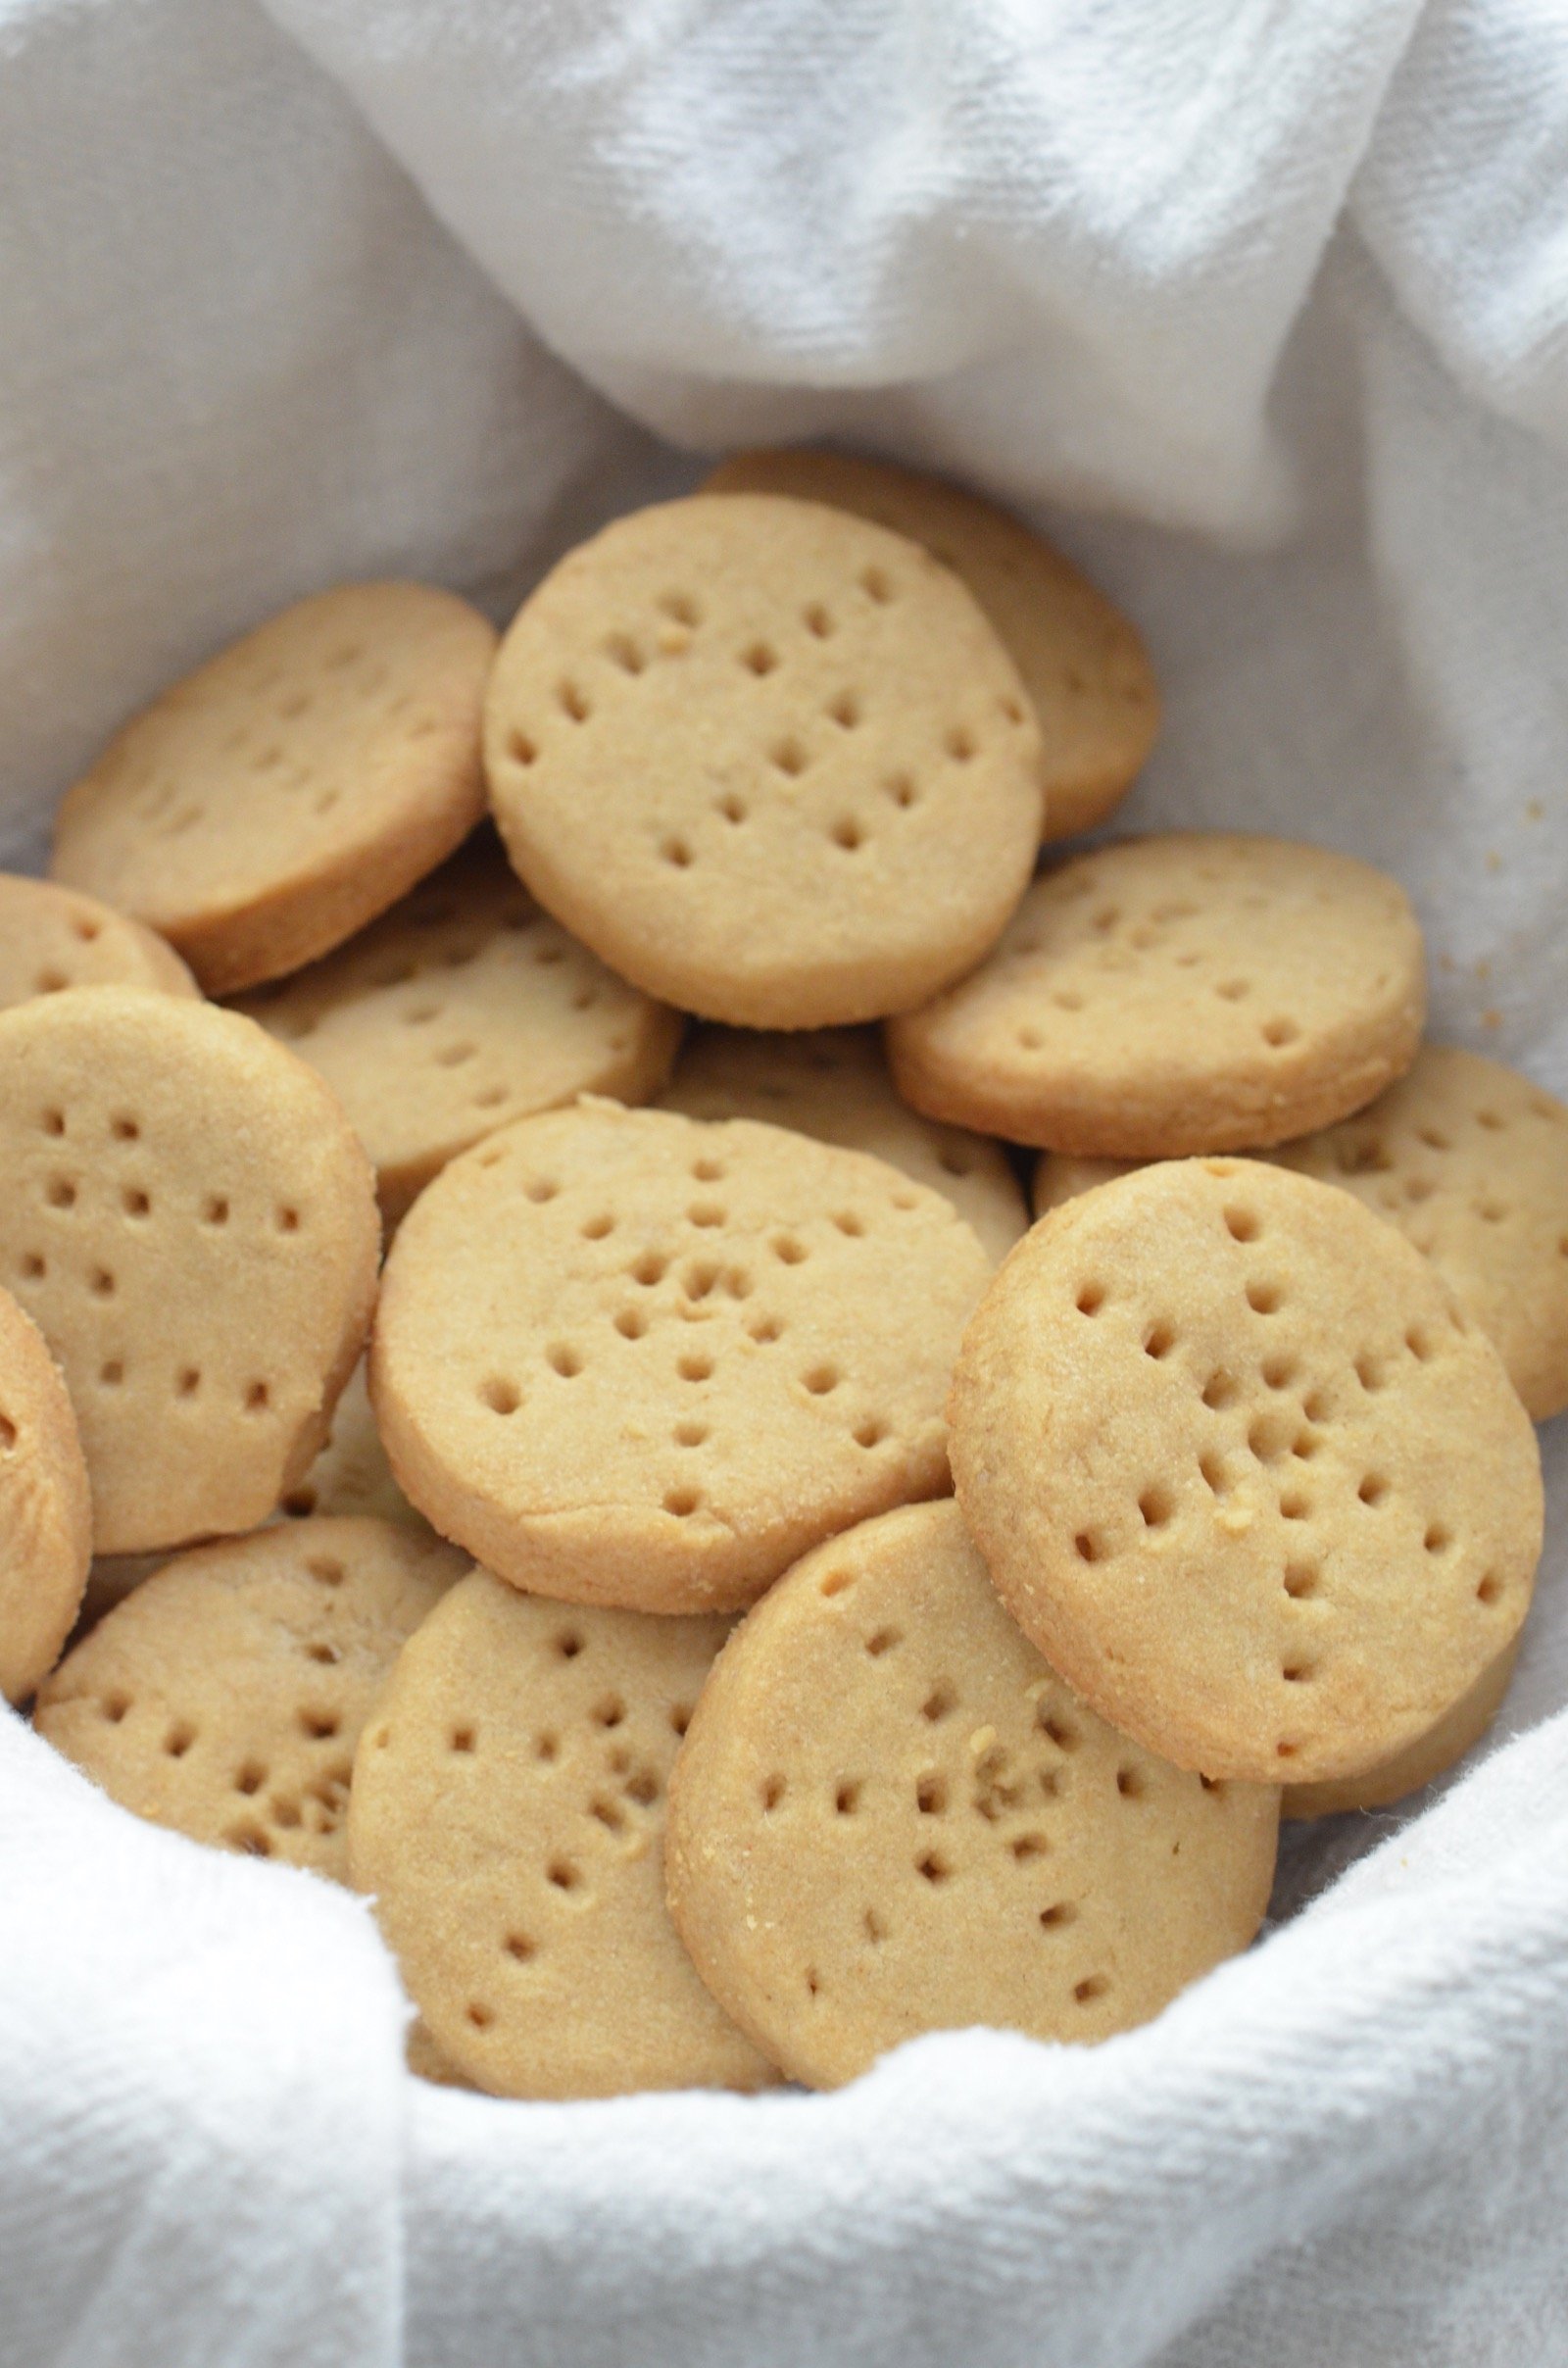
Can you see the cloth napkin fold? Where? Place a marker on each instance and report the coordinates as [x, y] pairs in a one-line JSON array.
[[1261, 309]]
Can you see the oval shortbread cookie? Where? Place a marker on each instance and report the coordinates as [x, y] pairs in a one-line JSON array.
[[461, 1009], [1431, 1754], [833, 1083], [1177, 994], [224, 1698], [1243, 1471], [294, 786], [1470, 1160], [769, 760], [1082, 664], [507, 1815], [890, 1816], [45, 1513], [53, 937], [192, 1226], [628, 1358]]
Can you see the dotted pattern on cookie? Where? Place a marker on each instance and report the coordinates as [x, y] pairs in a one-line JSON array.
[[294, 786], [632, 1358], [45, 1514], [52, 938], [1177, 994], [1291, 1506], [720, 750], [224, 1698], [191, 1225], [1082, 664], [463, 1009], [1470, 1160], [833, 1084], [509, 1814], [891, 1817]]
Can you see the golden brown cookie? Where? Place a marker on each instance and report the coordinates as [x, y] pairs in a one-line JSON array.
[[1431, 1754], [1202, 992], [1244, 1470], [463, 1009], [52, 937], [507, 1815], [628, 1358], [351, 1474], [224, 1698], [833, 1083], [294, 786], [769, 760], [891, 1817], [45, 1514], [192, 1226], [1470, 1160], [1083, 663]]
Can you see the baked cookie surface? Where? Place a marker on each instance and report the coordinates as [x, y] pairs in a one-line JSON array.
[[833, 1083], [1244, 1471], [1170, 996], [192, 1226], [461, 1009], [277, 799], [45, 1512], [630, 1359], [1081, 662], [890, 1816], [507, 1815], [769, 760], [53, 937], [224, 1696]]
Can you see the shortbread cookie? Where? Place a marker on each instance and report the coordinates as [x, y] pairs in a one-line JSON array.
[[769, 760], [1431, 1754], [891, 1817], [426, 2063], [53, 937], [192, 1226], [225, 1696], [351, 1474], [1244, 1471], [833, 1083], [1082, 664], [293, 787], [508, 1815], [461, 1009], [628, 1358], [1175, 995], [45, 1516], [1470, 1160]]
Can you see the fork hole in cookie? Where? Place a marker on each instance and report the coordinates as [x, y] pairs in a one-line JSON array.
[[502, 1397], [178, 1742], [1060, 1912], [931, 1795], [846, 1798], [940, 1703], [695, 1368], [682, 1501], [1089, 1547], [1219, 1390], [1157, 1504], [1130, 1784], [1159, 1340], [773, 1791], [676, 851], [822, 1380], [883, 1640], [1090, 1298], [1264, 1298], [1490, 1588], [1093, 1986], [1438, 1539]]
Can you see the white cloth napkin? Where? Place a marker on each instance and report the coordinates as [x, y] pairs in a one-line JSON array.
[[1262, 306]]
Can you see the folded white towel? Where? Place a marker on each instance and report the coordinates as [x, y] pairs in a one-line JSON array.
[[1263, 308]]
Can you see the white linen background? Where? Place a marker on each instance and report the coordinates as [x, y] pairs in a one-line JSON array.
[[1263, 310]]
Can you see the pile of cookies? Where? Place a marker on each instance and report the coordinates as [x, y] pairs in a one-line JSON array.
[[676, 986]]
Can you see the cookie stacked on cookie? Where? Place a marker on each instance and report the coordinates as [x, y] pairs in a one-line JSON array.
[[605, 1607]]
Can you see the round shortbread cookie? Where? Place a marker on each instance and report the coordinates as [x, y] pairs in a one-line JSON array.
[[833, 1083], [629, 1359], [224, 1698], [507, 1815], [192, 1226], [351, 1474], [770, 761], [460, 1010], [1083, 663], [294, 786], [45, 1513], [1244, 1470], [1470, 1160], [53, 937], [1202, 992], [891, 1817], [1431, 1754]]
